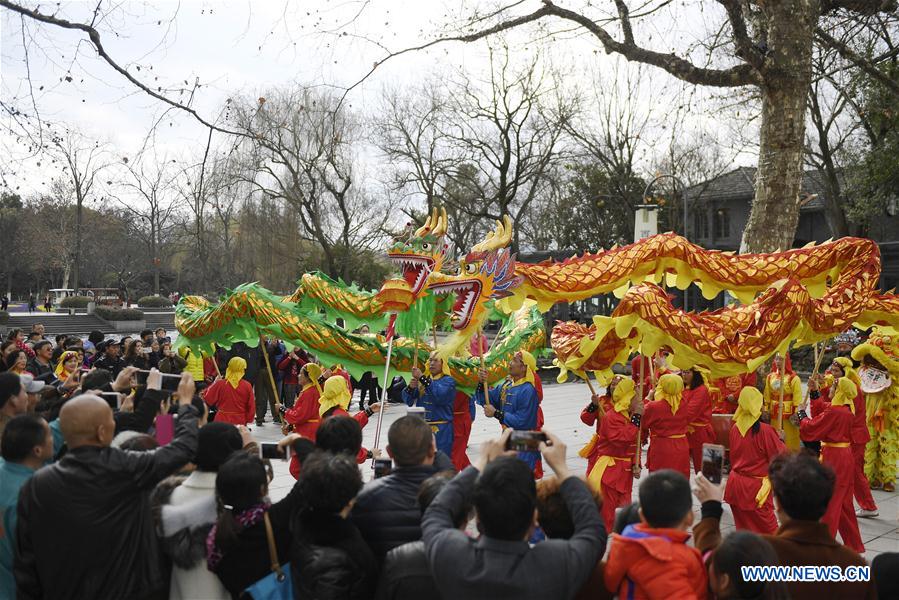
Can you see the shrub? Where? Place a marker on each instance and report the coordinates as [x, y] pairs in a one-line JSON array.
[[111, 313], [75, 302], [154, 302]]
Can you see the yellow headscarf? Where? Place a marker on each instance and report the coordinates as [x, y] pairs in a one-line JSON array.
[[60, 370], [623, 395], [670, 389], [234, 373], [846, 365], [846, 392], [313, 371], [444, 369], [749, 409], [335, 393], [531, 363]]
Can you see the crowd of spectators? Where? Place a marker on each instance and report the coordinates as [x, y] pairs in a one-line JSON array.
[[96, 504]]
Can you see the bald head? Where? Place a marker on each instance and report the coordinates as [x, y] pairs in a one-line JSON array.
[[86, 420]]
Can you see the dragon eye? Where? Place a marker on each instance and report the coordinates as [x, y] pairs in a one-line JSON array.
[[426, 247], [471, 268]]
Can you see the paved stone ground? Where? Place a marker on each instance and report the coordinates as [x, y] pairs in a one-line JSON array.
[[562, 405]]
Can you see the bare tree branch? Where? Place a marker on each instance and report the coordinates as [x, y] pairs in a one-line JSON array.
[[862, 63]]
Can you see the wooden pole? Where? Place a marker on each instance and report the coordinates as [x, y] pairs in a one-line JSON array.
[[486, 382], [819, 356], [780, 412], [391, 334], [434, 332], [639, 452], [271, 376], [415, 352]]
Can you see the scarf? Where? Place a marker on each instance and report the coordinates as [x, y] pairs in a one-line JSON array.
[[234, 373], [622, 396], [246, 518], [444, 368], [846, 365], [845, 394], [60, 370], [312, 372], [670, 389], [335, 393], [749, 409], [531, 363]]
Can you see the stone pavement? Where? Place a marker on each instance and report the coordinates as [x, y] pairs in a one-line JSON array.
[[562, 405]]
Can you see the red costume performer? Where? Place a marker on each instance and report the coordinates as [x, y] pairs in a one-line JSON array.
[[842, 367], [666, 419], [833, 427], [233, 396], [699, 407], [589, 416], [304, 416], [463, 415], [725, 391], [612, 452], [753, 445]]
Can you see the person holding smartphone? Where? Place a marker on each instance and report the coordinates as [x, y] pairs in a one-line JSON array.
[[753, 445]]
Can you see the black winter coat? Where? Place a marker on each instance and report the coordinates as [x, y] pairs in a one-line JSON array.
[[407, 575], [387, 512], [329, 560], [85, 529]]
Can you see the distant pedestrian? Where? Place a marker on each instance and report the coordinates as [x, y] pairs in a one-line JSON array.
[[32, 303], [48, 305], [4, 302]]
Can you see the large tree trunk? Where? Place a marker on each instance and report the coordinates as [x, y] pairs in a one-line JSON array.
[[76, 266], [775, 211]]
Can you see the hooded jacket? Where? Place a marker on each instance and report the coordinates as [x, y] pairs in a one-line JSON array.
[[655, 563]]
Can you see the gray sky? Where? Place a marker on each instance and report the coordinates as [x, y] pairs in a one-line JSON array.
[[236, 47]]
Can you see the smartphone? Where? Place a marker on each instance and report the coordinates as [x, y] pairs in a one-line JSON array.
[[418, 411], [713, 462], [382, 466], [113, 399], [272, 452], [525, 441], [170, 381]]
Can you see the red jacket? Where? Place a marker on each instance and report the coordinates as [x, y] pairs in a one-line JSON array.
[[304, 415], [655, 563], [235, 405], [291, 366]]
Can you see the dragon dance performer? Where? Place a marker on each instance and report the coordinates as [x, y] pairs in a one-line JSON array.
[[834, 428], [880, 352], [651, 372], [699, 405], [303, 418], [792, 397], [611, 452], [725, 392], [842, 367], [753, 445], [666, 419], [463, 417], [514, 403], [438, 399], [233, 395]]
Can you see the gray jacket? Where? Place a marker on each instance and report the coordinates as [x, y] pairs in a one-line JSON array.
[[489, 568]]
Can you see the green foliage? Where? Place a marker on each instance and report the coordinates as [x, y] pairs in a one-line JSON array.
[[111, 313], [75, 302], [154, 302], [873, 182]]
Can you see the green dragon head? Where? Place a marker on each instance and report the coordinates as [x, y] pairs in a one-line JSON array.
[[486, 273], [423, 253]]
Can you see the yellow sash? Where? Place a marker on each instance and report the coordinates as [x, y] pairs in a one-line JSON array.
[[691, 428], [835, 444], [764, 491], [672, 437], [587, 450], [602, 463]]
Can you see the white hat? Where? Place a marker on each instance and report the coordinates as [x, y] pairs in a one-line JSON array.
[[31, 385]]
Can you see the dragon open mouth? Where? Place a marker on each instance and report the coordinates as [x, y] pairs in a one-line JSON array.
[[467, 294], [415, 269]]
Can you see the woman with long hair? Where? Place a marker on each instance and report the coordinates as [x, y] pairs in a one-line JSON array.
[[743, 549], [237, 545], [16, 362], [135, 355]]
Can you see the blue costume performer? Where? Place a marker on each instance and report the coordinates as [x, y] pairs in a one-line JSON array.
[[437, 399], [515, 403]]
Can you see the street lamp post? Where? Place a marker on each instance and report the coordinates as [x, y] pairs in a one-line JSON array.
[[683, 188]]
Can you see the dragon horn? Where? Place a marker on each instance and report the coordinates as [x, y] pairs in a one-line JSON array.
[[430, 223], [498, 238], [440, 223]]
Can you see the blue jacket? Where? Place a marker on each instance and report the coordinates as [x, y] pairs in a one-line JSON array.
[[519, 404], [12, 477], [438, 398]]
